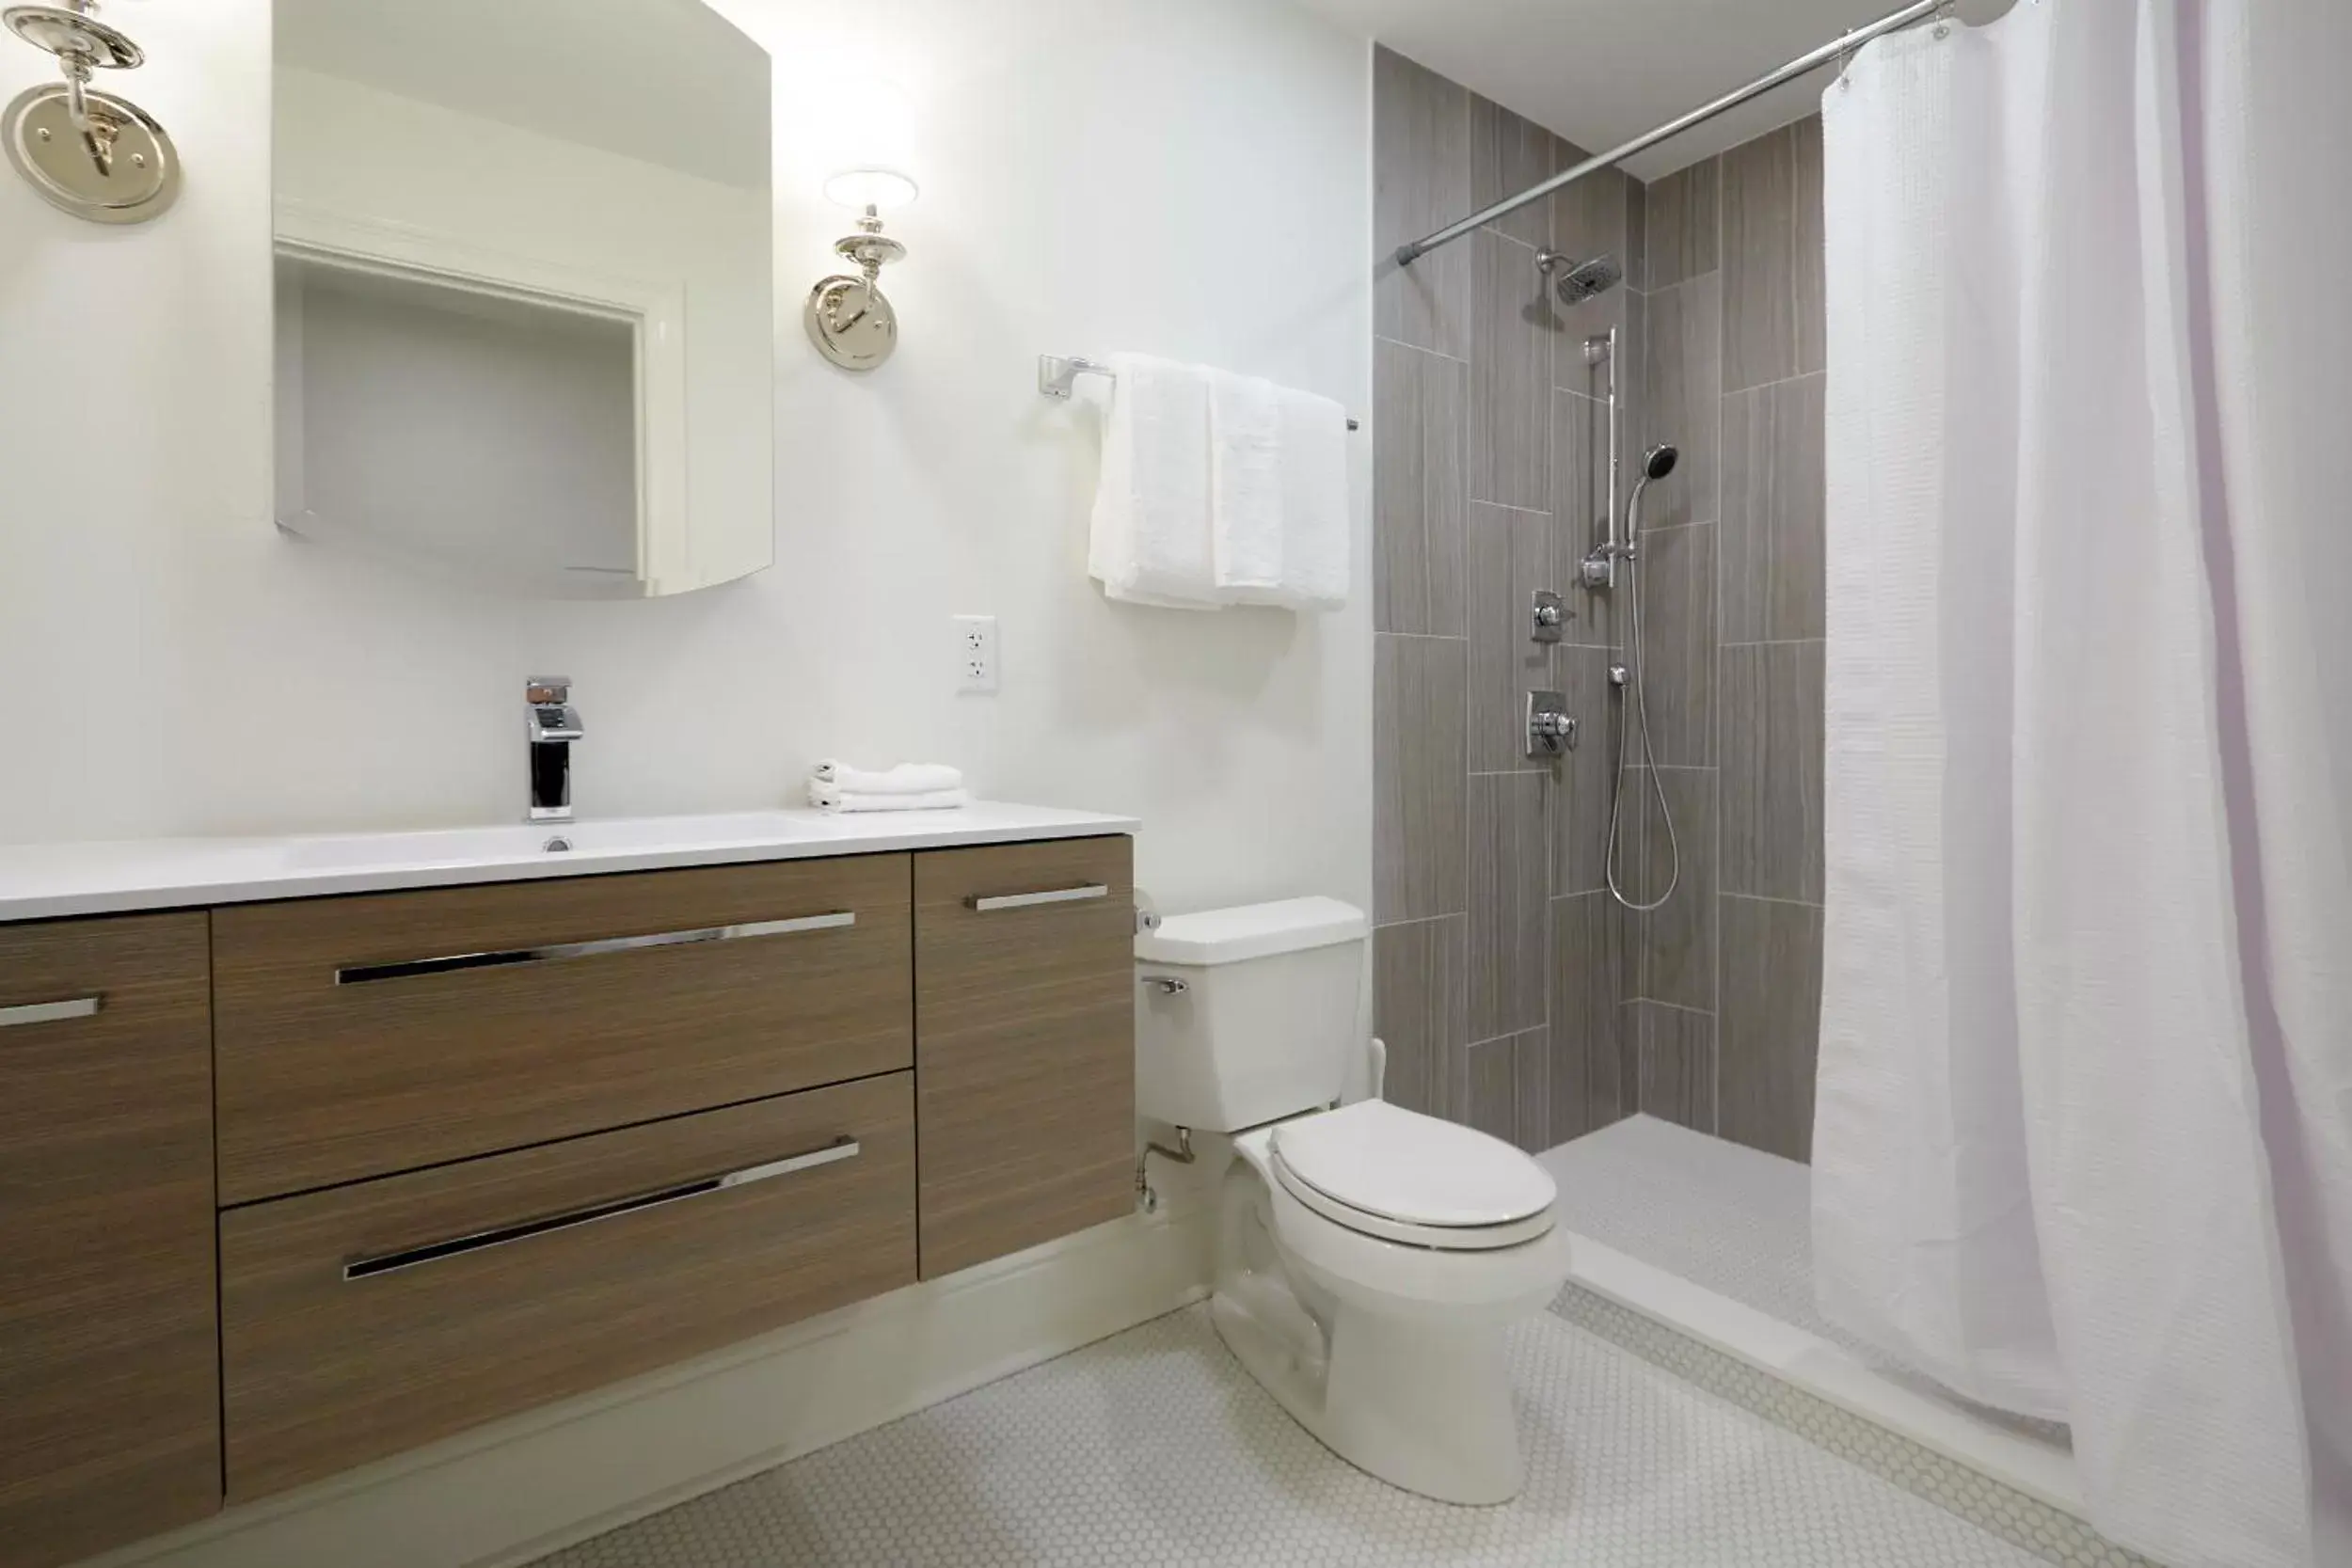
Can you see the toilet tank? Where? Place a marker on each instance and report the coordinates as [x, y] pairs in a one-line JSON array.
[[1263, 1022]]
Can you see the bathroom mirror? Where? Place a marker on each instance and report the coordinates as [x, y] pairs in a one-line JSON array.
[[524, 293]]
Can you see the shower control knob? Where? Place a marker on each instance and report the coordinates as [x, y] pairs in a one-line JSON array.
[[1550, 615]]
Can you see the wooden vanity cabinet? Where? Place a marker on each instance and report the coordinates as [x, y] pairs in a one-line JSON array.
[[481, 1147], [109, 1381], [1025, 1044]]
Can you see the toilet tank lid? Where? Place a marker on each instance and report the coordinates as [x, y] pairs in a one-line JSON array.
[[1251, 931]]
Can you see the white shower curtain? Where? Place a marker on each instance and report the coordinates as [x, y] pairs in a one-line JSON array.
[[2083, 1141]]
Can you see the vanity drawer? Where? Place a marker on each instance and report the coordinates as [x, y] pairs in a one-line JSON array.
[[364, 1321], [362, 1035], [109, 1369], [1025, 1055]]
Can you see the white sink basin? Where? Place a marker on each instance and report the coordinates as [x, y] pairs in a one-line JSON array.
[[536, 841]]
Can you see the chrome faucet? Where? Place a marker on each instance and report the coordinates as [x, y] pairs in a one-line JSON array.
[[553, 725]]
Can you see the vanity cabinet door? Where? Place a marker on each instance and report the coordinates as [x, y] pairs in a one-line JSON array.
[[1025, 1053], [364, 1035], [109, 1381]]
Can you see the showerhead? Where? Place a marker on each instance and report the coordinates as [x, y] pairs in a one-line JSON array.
[[1577, 281], [1659, 461]]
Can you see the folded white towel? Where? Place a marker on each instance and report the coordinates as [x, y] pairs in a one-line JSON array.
[[1279, 488], [907, 778], [1149, 542], [825, 796]]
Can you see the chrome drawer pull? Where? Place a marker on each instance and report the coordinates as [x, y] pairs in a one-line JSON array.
[[357, 975], [843, 1147], [49, 1012], [1030, 900]]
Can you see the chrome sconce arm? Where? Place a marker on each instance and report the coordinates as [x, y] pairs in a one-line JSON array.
[[849, 317], [87, 152]]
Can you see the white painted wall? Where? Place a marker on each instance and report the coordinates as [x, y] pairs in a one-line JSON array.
[[1097, 174]]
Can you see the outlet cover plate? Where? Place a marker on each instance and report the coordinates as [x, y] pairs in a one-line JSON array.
[[976, 653]]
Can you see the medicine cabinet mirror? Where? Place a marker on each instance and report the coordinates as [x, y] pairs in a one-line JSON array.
[[524, 290]]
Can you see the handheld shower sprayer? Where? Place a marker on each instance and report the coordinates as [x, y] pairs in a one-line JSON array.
[[1633, 695]]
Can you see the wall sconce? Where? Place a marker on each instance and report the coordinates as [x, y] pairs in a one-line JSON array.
[[849, 318], [93, 155]]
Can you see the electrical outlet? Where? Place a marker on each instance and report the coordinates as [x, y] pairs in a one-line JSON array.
[[976, 653]]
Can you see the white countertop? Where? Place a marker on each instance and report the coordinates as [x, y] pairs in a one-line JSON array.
[[40, 882]]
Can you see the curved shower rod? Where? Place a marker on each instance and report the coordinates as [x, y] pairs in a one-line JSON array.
[[1921, 9]]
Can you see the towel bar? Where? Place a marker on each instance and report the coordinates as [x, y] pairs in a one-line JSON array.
[[1057, 373]]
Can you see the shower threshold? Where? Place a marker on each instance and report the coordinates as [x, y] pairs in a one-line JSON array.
[[1714, 1242]]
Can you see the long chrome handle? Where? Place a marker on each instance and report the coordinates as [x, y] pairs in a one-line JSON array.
[[355, 974], [843, 1147], [1030, 900], [49, 1012]]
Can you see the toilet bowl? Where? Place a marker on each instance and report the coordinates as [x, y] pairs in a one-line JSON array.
[[1368, 1257], [1380, 1332]]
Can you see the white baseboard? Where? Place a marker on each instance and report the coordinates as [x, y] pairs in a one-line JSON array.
[[507, 1492]]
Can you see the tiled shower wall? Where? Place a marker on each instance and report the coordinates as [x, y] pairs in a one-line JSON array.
[[1511, 992], [1725, 978], [1495, 960]]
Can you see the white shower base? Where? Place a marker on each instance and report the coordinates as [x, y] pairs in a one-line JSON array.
[[1715, 1240]]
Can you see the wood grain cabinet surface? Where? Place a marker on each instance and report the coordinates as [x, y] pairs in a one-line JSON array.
[[324, 1369], [322, 1082], [109, 1384], [1024, 1022]]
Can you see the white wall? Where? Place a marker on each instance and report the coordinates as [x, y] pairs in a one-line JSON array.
[[1191, 180]]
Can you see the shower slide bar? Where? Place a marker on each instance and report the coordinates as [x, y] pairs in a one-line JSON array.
[[1920, 11]]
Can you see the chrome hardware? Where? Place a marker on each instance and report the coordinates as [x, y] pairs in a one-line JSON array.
[[359, 974], [1550, 616], [552, 725], [1550, 728], [1167, 985], [1598, 569], [1030, 900], [1619, 675], [1058, 377], [49, 1012], [1147, 1198], [558, 845], [87, 152], [843, 1147], [849, 317]]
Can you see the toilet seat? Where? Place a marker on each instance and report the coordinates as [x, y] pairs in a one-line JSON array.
[[1383, 1171]]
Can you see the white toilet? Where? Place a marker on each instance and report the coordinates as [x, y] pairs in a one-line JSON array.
[[1368, 1257]]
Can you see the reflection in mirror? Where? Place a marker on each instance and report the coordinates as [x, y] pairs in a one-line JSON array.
[[524, 292]]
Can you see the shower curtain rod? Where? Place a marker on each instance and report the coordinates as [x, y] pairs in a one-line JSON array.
[[1408, 254]]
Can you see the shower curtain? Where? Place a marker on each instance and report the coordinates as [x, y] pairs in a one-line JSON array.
[[2083, 1139]]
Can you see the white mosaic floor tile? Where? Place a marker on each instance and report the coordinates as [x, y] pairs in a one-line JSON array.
[[1155, 1447]]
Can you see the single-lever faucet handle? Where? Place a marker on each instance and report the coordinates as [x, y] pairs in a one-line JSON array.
[[540, 689]]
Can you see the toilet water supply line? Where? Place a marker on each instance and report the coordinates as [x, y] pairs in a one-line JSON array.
[[1145, 1195]]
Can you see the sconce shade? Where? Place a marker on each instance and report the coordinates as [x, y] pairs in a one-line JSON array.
[[876, 187]]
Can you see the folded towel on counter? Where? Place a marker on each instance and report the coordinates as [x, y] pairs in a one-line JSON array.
[[1149, 541], [1278, 489], [825, 796], [907, 778]]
